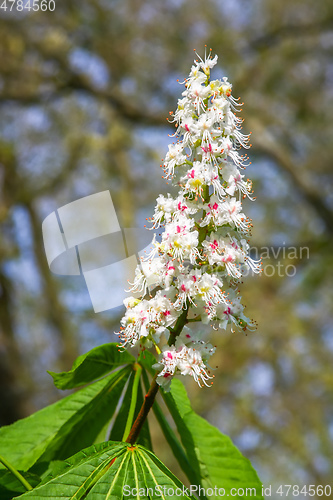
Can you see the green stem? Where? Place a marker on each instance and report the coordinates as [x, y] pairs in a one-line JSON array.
[[180, 323], [138, 370], [16, 473]]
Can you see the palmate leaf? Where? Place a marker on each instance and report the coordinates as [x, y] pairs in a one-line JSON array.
[[111, 471], [65, 427], [92, 365], [212, 454]]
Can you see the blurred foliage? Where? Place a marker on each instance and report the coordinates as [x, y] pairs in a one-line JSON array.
[[85, 93]]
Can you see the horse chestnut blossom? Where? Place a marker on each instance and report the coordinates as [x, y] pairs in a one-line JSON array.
[[192, 274]]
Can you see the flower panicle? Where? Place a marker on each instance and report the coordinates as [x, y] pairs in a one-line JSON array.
[[194, 270]]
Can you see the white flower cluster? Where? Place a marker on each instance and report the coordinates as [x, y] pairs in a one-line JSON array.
[[188, 356], [193, 272]]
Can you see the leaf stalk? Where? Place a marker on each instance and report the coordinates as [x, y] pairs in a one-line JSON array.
[[16, 473]]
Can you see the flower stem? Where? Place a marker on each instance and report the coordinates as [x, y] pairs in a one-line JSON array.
[[138, 371], [143, 413], [16, 473], [154, 387]]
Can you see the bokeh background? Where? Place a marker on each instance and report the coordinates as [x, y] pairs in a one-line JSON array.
[[85, 91]]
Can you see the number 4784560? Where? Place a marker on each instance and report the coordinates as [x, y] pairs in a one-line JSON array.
[[34, 5], [311, 490]]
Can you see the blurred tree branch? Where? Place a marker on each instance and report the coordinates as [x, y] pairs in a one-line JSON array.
[[282, 33], [265, 142]]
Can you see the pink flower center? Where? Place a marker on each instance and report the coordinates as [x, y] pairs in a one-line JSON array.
[[214, 245], [227, 312], [207, 149], [181, 207]]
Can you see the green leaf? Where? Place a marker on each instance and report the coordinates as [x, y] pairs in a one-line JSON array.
[[10, 486], [109, 471], [212, 454], [64, 427], [83, 428], [103, 434], [134, 400], [59, 467], [92, 365], [146, 360], [118, 427]]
